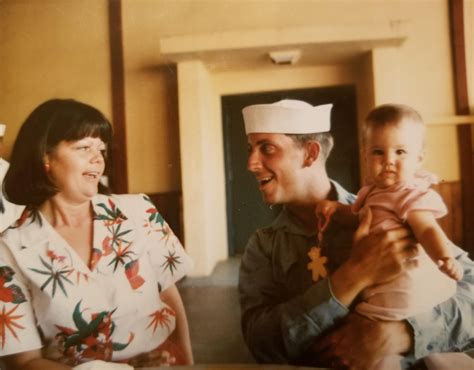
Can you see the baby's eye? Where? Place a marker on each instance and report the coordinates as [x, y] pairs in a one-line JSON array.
[[400, 151], [377, 152]]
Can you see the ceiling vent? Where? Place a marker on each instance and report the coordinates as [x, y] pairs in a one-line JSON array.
[[285, 57]]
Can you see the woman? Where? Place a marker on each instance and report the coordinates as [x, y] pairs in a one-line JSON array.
[[84, 275]]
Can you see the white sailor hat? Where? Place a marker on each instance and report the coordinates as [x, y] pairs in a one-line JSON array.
[[287, 117], [3, 127]]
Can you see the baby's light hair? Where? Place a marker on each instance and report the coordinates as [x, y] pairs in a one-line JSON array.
[[392, 115]]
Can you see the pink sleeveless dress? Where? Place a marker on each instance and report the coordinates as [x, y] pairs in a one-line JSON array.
[[421, 288]]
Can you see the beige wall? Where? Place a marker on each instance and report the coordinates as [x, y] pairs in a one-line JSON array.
[[59, 48], [152, 130], [387, 74], [51, 49], [423, 74], [203, 168], [151, 100]]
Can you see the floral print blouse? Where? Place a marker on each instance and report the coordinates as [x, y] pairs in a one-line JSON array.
[[110, 310]]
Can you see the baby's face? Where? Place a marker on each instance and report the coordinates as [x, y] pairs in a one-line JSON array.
[[393, 153]]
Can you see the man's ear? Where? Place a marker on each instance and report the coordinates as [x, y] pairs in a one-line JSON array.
[[313, 151]]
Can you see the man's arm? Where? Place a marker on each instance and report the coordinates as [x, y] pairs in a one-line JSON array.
[[346, 346], [270, 316], [278, 327], [449, 326]]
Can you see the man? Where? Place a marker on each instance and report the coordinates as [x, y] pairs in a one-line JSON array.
[[9, 212], [296, 291]]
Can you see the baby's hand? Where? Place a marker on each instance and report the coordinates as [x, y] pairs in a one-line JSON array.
[[451, 267], [324, 211]]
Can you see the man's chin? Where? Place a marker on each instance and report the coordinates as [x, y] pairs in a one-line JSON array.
[[270, 200]]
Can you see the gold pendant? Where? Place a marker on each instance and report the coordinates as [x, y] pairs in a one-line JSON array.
[[316, 266]]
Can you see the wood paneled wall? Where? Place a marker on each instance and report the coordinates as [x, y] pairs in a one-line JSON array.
[[458, 50], [118, 170], [170, 206]]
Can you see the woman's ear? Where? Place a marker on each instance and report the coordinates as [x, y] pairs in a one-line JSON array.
[[313, 150], [46, 163]]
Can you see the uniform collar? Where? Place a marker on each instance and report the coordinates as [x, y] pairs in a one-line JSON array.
[[287, 222]]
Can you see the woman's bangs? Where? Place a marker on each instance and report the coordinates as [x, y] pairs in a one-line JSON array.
[[98, 128]]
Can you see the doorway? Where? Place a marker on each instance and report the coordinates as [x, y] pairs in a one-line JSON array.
[[245, 209]]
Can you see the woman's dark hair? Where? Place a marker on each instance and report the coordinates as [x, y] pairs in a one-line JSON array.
[[26, 181]]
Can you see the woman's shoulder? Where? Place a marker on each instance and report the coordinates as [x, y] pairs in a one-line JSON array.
[[128, 205], [123, 200], [26, 231]]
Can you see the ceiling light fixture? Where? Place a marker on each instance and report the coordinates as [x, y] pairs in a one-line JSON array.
[[285, 57]]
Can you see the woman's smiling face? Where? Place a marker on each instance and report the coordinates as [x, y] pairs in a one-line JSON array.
[[75, 167]]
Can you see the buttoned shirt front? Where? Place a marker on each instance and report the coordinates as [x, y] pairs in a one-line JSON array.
[[110, 310]]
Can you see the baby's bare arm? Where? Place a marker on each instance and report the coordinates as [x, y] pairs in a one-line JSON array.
[[327, 210], [435, 242]]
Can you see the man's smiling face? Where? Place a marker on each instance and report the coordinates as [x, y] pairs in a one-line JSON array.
[[274, 160]]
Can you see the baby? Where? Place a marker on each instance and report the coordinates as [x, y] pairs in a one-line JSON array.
[[398, 194]]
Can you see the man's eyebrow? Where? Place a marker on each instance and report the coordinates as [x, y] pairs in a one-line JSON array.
[[260, 142]]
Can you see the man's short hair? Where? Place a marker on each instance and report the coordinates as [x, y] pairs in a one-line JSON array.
[[324, 139]]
